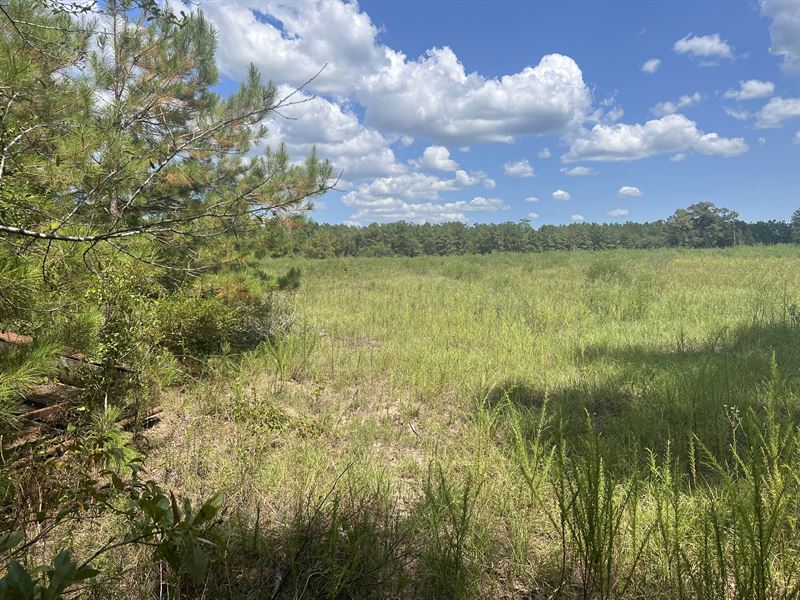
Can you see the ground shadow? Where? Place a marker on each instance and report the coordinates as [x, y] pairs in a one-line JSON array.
[[639, 398]]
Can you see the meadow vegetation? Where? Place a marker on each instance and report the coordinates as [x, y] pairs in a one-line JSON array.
[[615, 423], [587, 425]]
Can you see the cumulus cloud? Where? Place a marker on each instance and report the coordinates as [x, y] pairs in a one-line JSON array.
[[489, 183], [437, 158], [750, 90], [619, 212], [427, 212], [680, 157], [705, 46], [776, 111], [629, 191], [521, 168], [531, 199], [417, 197], [667, 135], [784, 31], [409, 186], [579, 171], [434, 97], [533, 215], [296, 40], [543, 153], [359, 152], [737, 113], [651, 66], [561, 195], [577, 218], [668, 108]]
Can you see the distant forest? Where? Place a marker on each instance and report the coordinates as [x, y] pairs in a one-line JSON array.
[[701, 225]]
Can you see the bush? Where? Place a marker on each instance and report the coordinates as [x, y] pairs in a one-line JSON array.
[[237, 311]]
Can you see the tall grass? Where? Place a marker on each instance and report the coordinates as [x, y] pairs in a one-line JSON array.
[[566, 425]]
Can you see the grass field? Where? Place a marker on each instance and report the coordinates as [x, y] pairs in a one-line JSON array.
[[588, 425]]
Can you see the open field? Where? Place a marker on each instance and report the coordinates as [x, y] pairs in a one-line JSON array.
[[592, 425]]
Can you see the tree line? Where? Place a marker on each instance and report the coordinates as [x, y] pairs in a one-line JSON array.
[[701, 225]]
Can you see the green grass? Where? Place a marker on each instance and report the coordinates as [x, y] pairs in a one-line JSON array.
[[577, 425]]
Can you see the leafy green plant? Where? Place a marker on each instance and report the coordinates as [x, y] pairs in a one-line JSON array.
[[107, 445], [448, 521], [592, 508], [177, 534]]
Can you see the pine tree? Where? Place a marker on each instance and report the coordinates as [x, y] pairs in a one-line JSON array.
[[112, 137]]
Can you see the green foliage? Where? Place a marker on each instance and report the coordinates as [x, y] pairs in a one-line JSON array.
[[48, 582], [174, 531], [236, 310], [699, 226], [103, 166], [21, 367], [131, 223], [611, 291], [703, 225], [106, 445], [289, 280], [591, 511], [447, 518], [291, 352]]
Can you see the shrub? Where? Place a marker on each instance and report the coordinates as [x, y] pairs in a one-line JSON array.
[[236, 310]]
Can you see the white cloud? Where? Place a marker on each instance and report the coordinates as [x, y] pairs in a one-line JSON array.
[[521, 168], [579, 171], [750, 90], [667, 135], [296, 41], [776, 111], [668, 108], [561, 195], [409, 186], [427, 212], [543, 153], [360, 152], [438, 158], [704, 46], [577, 218], [489, 183], [533, 215], [737, 113], [784, 31], [629, 191], [762, 140], [613, 115], [531, 199], [619, 212], [797, 137], [433, 97], [680, 157], [415, 197], [651, 66]]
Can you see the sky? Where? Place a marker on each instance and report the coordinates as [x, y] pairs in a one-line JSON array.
[[555, 112]]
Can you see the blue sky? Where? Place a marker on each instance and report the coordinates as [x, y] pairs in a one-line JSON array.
[[496, 111]]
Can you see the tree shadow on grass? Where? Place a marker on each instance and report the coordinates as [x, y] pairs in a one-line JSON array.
[[639, 398], [355, 541]]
